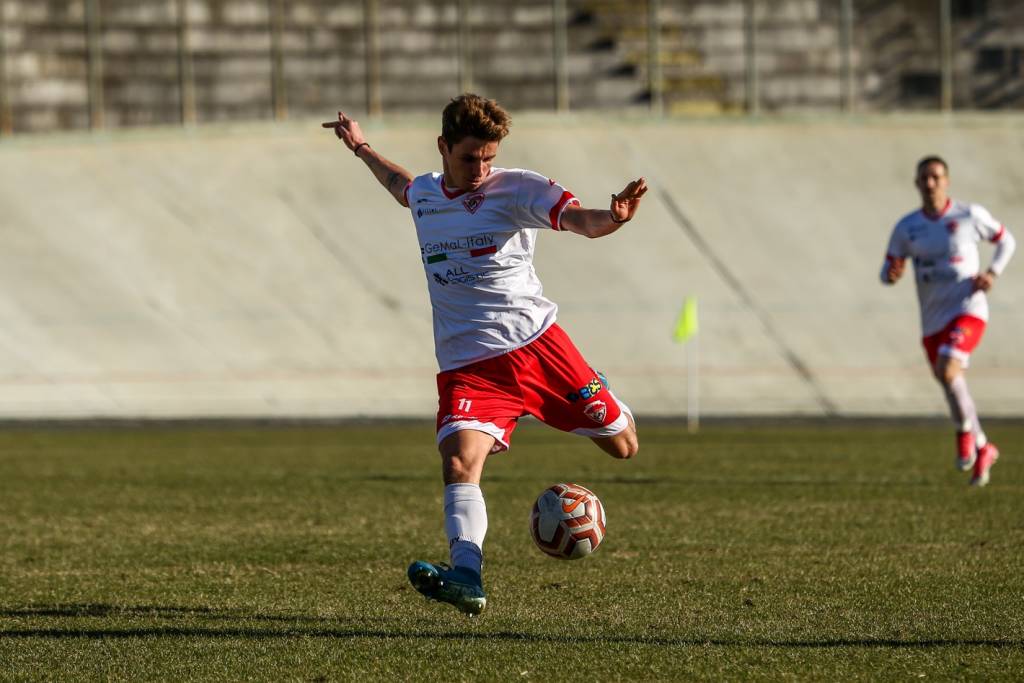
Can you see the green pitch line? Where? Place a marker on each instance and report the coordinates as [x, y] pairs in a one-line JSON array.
[[278, 553]]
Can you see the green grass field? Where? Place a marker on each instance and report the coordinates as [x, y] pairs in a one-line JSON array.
[[278, 553]]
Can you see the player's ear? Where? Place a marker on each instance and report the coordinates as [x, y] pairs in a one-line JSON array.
[[442, 146]]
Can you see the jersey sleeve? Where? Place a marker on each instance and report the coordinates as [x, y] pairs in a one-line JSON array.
[[415, 189], [541, 201], [988, 228]]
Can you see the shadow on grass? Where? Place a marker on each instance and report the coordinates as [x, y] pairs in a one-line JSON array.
[[75, 610], [321, 627]]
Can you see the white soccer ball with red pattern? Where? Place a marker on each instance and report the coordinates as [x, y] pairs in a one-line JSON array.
[[567, 521]]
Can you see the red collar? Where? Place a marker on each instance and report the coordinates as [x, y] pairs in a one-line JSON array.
[[450, 194], [936, 216]]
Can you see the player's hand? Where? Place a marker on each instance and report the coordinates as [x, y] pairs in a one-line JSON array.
[[895, 271], [625, 203], [347, 130], [984, 281]]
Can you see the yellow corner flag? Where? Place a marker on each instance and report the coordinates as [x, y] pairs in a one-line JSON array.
[[686, 326]]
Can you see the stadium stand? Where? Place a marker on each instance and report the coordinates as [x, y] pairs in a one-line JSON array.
[[72, 64]]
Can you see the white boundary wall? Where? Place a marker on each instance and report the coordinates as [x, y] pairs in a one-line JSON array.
[[261, 272]]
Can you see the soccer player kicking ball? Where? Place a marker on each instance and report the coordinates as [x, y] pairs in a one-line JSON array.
[[500, 352], [942, 239]]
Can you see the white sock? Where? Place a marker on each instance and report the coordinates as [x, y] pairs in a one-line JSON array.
[[962, 410], [465, 523]]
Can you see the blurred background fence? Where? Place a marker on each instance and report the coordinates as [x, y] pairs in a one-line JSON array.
[[75, 64]]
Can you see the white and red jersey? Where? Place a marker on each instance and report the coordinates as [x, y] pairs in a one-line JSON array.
[[477, 249], [944, 249]]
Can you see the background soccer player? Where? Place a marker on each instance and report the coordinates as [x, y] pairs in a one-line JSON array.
[[942, 239], [500, 352]]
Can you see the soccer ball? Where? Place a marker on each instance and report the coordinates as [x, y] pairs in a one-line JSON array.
[[567, 521]]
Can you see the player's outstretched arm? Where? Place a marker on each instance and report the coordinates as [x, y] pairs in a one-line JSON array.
[[393, 177], [601, 222]]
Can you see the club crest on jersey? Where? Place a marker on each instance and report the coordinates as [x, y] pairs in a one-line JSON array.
[[473, 201], [596, 411], [951, 226]]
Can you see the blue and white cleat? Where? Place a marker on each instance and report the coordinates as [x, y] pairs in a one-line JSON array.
[[461, 587]]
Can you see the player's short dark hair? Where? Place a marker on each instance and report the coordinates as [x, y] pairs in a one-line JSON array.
[[470, 115], [932, 159]]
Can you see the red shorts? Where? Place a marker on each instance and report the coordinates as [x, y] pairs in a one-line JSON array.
[[548, 378], [956, 340]]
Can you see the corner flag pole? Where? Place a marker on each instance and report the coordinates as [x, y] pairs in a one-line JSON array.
[[692, 384], [686, 331]]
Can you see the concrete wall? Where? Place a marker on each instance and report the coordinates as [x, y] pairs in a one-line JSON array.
[[260, 271]]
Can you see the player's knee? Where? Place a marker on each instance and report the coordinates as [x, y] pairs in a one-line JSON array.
[[457, 467], [463, 455], [462, 466], [625, 447], [945, 371], [628, 451]]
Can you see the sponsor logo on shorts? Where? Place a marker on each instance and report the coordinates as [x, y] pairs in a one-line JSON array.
[[596, 411], [592, 388]]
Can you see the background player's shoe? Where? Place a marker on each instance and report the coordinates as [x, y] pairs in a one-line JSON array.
[[459, 586], [987, 456], [965, 451]]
